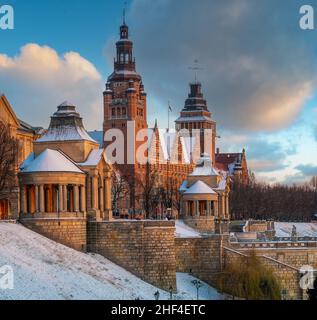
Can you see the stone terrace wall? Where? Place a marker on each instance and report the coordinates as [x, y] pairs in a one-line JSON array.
[[200, 256], [68, 231], [145, 248], [286, 272]]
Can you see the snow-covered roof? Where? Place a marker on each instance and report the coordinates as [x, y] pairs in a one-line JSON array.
[[193, 118], [66, 125], [66, 133], [168, 140], [284, 229], [49, 161], [199, 187], [204, 171], [183, 186], [94, 158], [67, 104]]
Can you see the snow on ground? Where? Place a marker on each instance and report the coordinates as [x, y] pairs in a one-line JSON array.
[[184, 231], [284, 229], [46, 270]]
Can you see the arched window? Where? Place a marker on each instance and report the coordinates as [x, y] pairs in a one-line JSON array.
[[126, 58]]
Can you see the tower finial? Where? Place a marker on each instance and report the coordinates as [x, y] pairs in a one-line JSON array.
[[195, 68], [124, 11]]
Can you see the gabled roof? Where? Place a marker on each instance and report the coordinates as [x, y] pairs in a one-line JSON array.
[[183, 186], [229, 161], [204, 167], [9, 109], [94, 158], [168, 142], [49, 161], [200, 187]]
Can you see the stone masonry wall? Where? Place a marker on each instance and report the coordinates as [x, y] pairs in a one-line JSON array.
[[202, 224], [200, 256], [68, 231], [286, 271], [145, 248]]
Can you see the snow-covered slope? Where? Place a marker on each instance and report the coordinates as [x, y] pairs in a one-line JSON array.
[[182, 230], [44, 269]]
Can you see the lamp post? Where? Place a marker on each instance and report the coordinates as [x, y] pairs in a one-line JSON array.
[[171, 293], [198, 285]]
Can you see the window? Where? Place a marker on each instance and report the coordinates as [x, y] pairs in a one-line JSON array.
[[113, 112]]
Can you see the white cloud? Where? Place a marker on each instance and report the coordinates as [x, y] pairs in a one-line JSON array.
[[38, 79]]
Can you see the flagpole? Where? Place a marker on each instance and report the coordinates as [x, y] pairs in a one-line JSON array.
[[168, 117]]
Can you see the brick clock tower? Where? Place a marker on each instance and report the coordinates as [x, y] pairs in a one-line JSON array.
[[125, 101]]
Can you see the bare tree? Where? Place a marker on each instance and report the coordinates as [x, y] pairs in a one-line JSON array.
[[147, 186], [8, 161], [119, 188], [259, 200]]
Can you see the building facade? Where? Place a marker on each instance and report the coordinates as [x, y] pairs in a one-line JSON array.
[[25, 135], [67, 174], [172, 154]]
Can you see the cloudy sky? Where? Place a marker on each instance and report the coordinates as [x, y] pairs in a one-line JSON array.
[[258, 69]]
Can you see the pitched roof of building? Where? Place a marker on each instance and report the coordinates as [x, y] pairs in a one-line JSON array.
[[228, 161], [49, 161], [94, 158], [66, 125], [199, 187]]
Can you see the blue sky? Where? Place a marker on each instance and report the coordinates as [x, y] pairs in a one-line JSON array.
[[259, 69]]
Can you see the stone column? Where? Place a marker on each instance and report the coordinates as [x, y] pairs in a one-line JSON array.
[[94, 190], [185, 208], [42, 204], [23, 200], [76, 198], [197, 208], [208, 211], [28, 194], [36, 198], [107, 204], [82, 199], [101, 195], [223, 205], [216, 208], [60, 198], [64, 187]]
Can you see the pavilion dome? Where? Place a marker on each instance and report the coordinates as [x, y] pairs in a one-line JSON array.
[[49, 161], [200, 187], [66, 125]]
